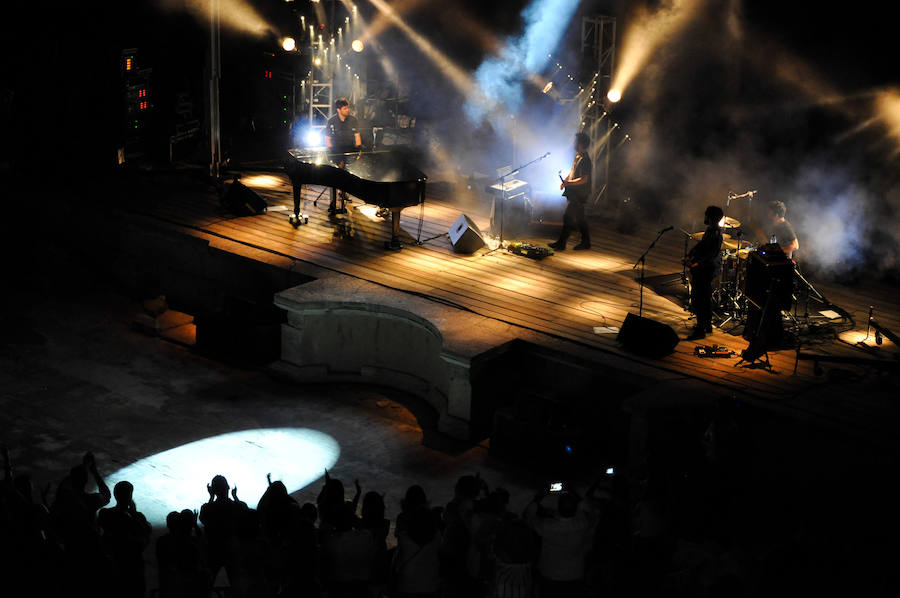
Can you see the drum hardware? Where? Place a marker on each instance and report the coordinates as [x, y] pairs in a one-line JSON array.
[[729, 297]]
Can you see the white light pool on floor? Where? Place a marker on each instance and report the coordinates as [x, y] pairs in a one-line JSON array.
[[176, 479]]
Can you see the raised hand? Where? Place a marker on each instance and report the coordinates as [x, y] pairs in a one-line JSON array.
[[269, 478], [234, 493]]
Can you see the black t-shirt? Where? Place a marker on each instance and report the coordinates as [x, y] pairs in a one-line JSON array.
[[784, 233], [581, 167], [342, 133], [706, 253]]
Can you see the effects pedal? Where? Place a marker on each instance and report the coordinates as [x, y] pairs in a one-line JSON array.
[[720, 351]]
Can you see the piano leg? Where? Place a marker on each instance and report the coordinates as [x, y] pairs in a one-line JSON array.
[[297, 218], [394, 243]]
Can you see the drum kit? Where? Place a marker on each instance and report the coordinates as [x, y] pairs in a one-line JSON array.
[[732, 299]]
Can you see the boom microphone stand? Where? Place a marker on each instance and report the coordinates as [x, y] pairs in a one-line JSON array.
[[502, 181], [641, 261]]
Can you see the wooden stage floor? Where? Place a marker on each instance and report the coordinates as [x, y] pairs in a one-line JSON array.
[[566, 295]]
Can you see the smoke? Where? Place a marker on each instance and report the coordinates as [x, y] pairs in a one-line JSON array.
[[502, 77], [236, 15], [717, 106], [649, 31]]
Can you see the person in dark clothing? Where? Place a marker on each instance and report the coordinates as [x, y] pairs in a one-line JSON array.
[[182, 572], [577, 189], [703, 260], [74, 516], [342, 129], [781, 229], [341, 137], [221, 517], [125, 535]]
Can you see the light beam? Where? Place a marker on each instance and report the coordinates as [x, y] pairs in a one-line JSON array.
[[176, 479]]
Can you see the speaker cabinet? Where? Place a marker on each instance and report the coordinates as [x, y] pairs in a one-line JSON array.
[[770, 271], [242, 200], [647, 337], [465, 236]]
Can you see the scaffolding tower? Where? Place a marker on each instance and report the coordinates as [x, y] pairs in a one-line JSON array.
[[598, 50], [321, 98]]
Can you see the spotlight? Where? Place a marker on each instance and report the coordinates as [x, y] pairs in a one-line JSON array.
[[548, 86], [357, 45], [313, 138], [289, 44], [614, 95], [317, 61]]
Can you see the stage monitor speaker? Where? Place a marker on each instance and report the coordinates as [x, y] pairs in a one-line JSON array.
[[465, 236], [242, 200], [647, 337]]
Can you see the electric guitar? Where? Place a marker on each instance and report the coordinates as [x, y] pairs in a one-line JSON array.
[[563, 181]]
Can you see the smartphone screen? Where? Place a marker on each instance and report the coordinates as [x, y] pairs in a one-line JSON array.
[[556, 487]]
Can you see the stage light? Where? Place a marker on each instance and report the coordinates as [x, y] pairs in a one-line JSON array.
[[614, 95], [548, 87], [176, 479], [313, 138], [289, 44], [502, 74], [357, 45], [317, 61]]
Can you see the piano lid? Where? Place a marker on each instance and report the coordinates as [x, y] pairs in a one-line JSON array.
[[384, 166]]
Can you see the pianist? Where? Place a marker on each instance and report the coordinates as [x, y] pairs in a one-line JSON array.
[[341, 137]]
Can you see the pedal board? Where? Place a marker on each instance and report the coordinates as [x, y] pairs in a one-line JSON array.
[[720, 351]]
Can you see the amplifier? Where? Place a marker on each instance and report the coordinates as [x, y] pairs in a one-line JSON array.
[[770, 268]]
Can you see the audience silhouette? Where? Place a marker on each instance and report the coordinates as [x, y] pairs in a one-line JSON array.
[[618, 536]]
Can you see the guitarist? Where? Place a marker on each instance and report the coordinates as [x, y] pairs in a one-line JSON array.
[[703, 260], [576, 188]]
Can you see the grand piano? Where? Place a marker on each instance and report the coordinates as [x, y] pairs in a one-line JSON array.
[[383, 177]]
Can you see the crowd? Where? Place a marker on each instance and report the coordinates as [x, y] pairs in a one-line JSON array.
[[601, 542]]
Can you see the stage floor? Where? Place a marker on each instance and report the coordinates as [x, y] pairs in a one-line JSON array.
[[571, 295]]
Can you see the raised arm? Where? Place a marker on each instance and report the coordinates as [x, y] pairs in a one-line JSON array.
[[91, 465]]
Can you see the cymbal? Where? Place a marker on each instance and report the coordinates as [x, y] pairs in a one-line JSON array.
[[728, 242], [729, 222]]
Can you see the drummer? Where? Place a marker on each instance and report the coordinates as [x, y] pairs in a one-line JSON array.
[[781, 229]]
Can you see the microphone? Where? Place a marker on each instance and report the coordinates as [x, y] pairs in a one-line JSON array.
[[667, 229]]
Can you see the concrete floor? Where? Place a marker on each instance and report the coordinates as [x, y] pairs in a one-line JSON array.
[[77, 375]]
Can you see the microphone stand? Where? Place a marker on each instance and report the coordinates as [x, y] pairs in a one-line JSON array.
[[641, 261], [502, 180], [684, 268]]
